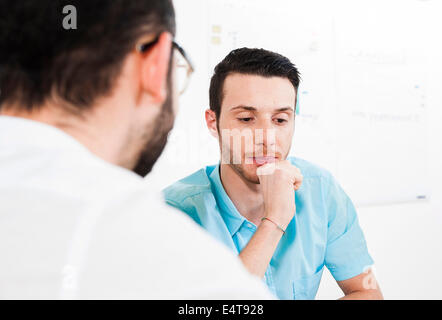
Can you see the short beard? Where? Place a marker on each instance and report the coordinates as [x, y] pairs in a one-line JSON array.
[[238, 168], [243, 174], [159, 135]]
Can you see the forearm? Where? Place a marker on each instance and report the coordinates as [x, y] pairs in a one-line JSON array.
[[258, 252], [371, 294]]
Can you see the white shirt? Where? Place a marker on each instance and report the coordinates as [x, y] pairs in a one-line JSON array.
[[74, 226]]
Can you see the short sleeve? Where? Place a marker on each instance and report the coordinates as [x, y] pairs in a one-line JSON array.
[[346, 253]]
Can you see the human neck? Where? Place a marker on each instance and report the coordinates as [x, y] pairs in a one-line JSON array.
[[246, 196], [97, 131]]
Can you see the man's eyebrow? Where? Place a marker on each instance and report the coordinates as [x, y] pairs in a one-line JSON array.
[[250, 108], [285, 109]]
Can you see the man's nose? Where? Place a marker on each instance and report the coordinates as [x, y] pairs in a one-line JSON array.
[[265, 134]]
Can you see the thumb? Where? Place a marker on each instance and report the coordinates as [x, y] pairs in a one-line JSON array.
[[266, 169]]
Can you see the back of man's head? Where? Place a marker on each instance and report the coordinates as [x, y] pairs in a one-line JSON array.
[[44, 56]]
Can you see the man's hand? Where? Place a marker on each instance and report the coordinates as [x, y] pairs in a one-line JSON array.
[[279, 180]]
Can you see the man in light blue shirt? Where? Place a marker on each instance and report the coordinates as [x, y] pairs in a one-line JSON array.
[[285, 217]]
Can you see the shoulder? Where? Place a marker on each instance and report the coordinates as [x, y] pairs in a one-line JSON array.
[[318, 181], [131, 229], [311, 170], [196, 184]]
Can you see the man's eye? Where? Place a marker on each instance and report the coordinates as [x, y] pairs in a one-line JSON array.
[[245, 119], [279, 120]]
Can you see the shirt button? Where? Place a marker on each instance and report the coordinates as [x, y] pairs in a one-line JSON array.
[[249, 225]]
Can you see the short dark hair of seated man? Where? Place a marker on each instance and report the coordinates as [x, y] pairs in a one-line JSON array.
[[258, 62]]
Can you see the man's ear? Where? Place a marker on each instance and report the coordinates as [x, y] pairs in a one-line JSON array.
[[211, 122], [155, 68]]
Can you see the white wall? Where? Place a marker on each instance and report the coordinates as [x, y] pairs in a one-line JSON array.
[[404, 239]]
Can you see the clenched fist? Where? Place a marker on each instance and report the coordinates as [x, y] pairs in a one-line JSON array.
[[279, 180]]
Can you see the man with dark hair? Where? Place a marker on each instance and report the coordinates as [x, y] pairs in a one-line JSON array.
[[285, 217], [84, 114]]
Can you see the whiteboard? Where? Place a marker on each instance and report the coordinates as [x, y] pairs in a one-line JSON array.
[[362, 96], [381, 93]]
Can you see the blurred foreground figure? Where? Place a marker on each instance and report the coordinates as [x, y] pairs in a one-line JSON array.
[[87, 100]]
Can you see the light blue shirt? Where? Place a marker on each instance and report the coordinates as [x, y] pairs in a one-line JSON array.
[[324, 231]]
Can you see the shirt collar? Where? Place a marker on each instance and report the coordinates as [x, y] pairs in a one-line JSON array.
[[232, 218], [18, 132]]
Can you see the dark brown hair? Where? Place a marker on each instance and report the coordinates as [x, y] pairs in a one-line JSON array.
[[254, 62], [40, 59]]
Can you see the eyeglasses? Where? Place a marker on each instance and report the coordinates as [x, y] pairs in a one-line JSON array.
[[184, 67]]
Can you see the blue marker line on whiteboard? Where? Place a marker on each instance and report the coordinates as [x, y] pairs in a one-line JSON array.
[[297, 105], [297, 101]]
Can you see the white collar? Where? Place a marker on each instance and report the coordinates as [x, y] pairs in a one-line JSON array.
[[17, 131]]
